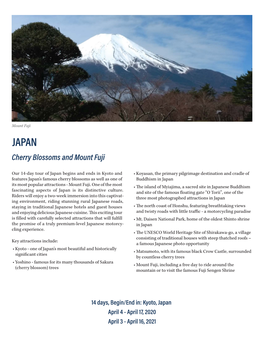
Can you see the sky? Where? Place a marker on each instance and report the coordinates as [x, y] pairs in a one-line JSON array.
[[218, 42]]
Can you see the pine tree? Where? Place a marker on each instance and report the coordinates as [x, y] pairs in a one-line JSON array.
[[208, 90], [242, 91], [242, 94], [41, 78]]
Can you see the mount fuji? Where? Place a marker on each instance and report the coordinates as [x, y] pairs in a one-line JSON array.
[[116, 57]]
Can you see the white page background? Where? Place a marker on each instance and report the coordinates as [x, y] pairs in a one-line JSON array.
[[57, 305]]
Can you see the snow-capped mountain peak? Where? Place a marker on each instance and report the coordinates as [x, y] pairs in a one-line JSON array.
[[115, 49]]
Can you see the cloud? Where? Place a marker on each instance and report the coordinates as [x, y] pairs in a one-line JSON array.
[[220, 43]]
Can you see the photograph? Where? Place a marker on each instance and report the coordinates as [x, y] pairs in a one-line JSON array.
[[132, 68]]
